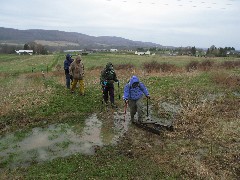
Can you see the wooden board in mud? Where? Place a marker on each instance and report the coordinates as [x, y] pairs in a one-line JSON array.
[[163, 123], [154, 128], [149, 127]]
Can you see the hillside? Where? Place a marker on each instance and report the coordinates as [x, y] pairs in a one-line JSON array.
[[9, 35]]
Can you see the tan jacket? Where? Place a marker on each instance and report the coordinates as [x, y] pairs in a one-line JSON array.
[[77, 69]]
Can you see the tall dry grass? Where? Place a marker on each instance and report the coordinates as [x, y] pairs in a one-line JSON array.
[[24, 92]]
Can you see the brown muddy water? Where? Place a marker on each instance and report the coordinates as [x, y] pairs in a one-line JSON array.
[[61, 140], [57, 140]]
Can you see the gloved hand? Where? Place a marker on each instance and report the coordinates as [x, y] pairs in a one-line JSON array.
[[104, 83], [148, 96]]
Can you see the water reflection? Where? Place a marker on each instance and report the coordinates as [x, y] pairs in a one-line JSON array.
[[57, 140]]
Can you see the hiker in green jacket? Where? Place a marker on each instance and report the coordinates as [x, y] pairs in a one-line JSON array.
[[107, 79]]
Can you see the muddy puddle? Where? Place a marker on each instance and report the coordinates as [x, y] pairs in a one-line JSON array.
[[43, 144], [121, 124], [61, 140], [237, 94], [58, 140], [166, 114]]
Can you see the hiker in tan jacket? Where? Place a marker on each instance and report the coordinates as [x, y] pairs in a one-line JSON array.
[[76, 70]]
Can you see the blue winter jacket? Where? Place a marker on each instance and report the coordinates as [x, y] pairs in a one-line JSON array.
[[134, 93], [67, 63]]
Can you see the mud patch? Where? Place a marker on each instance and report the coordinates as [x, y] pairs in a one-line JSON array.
[[237, 94], [121, 123], [211, 97], [43, 144], [166, 114]]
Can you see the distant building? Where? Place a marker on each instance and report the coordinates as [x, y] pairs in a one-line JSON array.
[[200, 54], [142, 53], [113, 50], [70, 51], [232, 52], [20, 52]]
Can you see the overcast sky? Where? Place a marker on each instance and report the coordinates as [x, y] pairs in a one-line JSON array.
[[167, 22]]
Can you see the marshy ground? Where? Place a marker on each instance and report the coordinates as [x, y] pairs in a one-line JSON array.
[[47, 132]]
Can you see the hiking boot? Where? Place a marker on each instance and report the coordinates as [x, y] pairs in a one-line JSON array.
[[134, 121], [140, 121]]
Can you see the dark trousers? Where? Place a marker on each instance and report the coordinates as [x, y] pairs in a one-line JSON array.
[[136, 106], [108, 91], [68, 78]]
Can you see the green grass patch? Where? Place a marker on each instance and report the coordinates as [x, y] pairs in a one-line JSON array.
[[99, 166]]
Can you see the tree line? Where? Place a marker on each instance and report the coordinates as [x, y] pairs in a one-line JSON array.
[[213, 51], [219, 52], [10, 49]]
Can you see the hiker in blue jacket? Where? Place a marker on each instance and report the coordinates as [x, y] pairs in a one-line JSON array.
[[67, 63], [134, 92]]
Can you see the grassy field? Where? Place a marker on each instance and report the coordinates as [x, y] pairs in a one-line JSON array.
[[203, 101]]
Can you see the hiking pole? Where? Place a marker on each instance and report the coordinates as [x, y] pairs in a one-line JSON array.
[[147, 106], [102, 97], [118, 91], [125, 110]]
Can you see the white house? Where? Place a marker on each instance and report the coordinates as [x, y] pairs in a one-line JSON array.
[[142, 53], [19, 52], [113, 50], [70, 51]]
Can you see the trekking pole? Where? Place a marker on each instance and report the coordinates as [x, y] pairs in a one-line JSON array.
[[118, 91], [147, 106], [102, 95], [125, 110], [102, 88]]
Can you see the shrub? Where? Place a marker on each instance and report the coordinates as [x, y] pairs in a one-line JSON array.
[[193, 65], [151, 66], [230, 64], [206, 65], [226, 80], [157, 67], [123, 66], [165, 67]]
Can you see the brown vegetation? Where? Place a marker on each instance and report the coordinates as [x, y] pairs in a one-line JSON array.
[[230, 64], [154, 66], [195, 65], [226, 80], [124, 66]]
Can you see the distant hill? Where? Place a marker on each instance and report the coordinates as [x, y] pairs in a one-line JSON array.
[[67, 40]]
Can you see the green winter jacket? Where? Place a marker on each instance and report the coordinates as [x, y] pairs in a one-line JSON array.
[[108, 76]]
